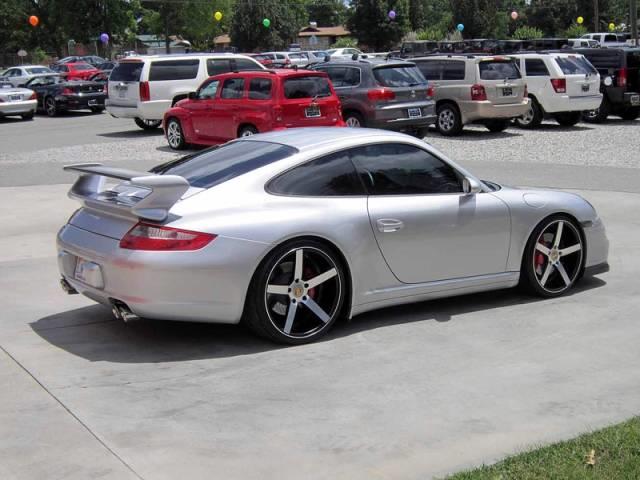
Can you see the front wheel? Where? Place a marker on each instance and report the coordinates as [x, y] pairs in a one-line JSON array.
[[532, 118], [50, 106], [568, 119], [147, 124], [449, 122], [247, 131], [175, 136], [554, 257], [297, 293]]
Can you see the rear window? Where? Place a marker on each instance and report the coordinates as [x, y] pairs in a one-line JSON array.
[[126, 72], [243, 64], [498, 70], [575, 66], [215, 166], [82, 67], [174, 70], [453, 70], [260, 89], [306, 87], [535, 67], [430, 69], [399, 76]]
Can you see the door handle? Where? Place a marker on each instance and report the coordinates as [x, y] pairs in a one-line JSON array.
[[388, 225]]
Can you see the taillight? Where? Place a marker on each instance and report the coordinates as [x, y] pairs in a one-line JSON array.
[[277, 114], [106, 89], [381, 95], [145, 95], [33, 96], [67, 91], [430, 93], [146, 236], [559, 85], [478, 93], [621, 81]]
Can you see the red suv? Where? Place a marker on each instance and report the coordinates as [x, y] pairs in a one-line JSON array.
[[76, 71], [235, 105]]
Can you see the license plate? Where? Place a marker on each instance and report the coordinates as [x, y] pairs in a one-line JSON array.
[[635, 99], [312, 112], [93, 103], [507, 92], [585, 88], [15, 98], [88, 272], [415, 113]]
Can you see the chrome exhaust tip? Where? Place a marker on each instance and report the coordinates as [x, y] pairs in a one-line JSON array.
[[68, 289], [122, 312]]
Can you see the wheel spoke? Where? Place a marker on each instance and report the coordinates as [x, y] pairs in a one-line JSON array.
[[291, 314], [323, 277], [315, 308], [540, 247], [278, 289], [572, 249], [563, 273], [297, 272], [556, 241], [545, 275]]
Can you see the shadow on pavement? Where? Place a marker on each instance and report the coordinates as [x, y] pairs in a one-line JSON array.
[[472, 135], [135, 132], [92, 333]]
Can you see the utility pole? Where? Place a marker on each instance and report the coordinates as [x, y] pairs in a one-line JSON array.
[[633, 13]]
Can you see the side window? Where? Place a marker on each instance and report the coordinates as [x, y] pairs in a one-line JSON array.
[[216, 67], [14, 72], [232, 88], [208, 91], [336, 74], [610, 38], [352, 77], [331, 175], [400, 169], [174, 70], [260, 89], [242, 64], [535, 68], [453, 70], [430, 70]]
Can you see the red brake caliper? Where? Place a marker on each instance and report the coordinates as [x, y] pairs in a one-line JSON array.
[[539, 256], [310, 273]]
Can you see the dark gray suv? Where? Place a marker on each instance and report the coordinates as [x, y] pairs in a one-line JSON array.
[[377, 93]]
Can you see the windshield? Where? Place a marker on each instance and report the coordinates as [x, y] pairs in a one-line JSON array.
[[498, 70], [575, 66], [408, 76], [307, 87], [82, 66], [126, 72], [215, 166], [331, 52], [36, 70]]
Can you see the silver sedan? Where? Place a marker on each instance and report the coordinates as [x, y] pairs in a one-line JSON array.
[[289, 231], [16, 101]]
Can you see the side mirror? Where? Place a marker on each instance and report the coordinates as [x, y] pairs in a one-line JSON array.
[[471, 186], [192, 96]]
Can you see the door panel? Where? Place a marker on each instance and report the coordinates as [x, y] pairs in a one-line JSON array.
[[426, 238]]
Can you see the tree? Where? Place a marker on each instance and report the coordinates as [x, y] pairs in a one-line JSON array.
[[416, 14], [371, 25], [327, 13]]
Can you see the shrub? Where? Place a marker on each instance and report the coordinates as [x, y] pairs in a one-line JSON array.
[[527, 33], [575, 31], [345, 42], [430, 33]]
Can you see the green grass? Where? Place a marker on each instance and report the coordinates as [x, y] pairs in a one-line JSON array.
[[617, 457]]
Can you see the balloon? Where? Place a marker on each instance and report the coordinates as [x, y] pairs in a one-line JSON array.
[[612, 26], [514, 15], [104, 38], [217, 16], [33, 20], [580, 20], [460, 27], [266, 22], [392, 14]]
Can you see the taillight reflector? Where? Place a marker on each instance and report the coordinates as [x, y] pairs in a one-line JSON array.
[[147, 236], [145, 94], [622, 78], [430, 92], [478, 93], [34, 96], [381, 95], [559, 85]]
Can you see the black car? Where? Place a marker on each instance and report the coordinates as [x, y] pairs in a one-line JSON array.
[[417, 48], [55, 94], [105, 70], [619, 70]]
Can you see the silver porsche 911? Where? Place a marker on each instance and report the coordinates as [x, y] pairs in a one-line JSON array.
[[288, 231]]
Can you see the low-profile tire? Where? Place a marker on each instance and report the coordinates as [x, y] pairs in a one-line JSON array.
[[50, 106], [147, 124], [354, 120], [297, 293], [568, 119], [497, 126], [97, 109], [598, 115], [533, 116], [175, 135], [630, 113], [247, 131], [554, 257], [448, 120], [27, 116]]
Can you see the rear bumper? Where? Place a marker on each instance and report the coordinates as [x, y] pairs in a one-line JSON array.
[[566, 103], [153, 110], [397, 116], [80, 102], [487, 110], [18, 108], [207, 285]]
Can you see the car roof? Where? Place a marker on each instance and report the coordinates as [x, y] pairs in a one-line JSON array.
[[373, 61], [183, 55], [277, 72]]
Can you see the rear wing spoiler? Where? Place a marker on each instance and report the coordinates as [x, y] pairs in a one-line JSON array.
[[147, 195]]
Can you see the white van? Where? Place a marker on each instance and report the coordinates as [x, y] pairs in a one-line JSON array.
[[143, 88], [560, 85], [607, 39]]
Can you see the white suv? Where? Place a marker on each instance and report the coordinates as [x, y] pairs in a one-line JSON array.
[[144, 88], [560, 85], [607, 39]]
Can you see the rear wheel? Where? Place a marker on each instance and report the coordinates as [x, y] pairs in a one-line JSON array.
[[247, 131], [554, 257], [50, 106], [353, 120], [175, 136], [631, 113], [297, 293], [147, 124], [532, 117], [497, 126], [27, 116], [449, 122], [598, 115], [568, 119]]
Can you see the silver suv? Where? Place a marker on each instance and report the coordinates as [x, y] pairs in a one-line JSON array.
[[474, 89]]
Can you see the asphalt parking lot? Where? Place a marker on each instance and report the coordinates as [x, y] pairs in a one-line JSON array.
[[407, 392]]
